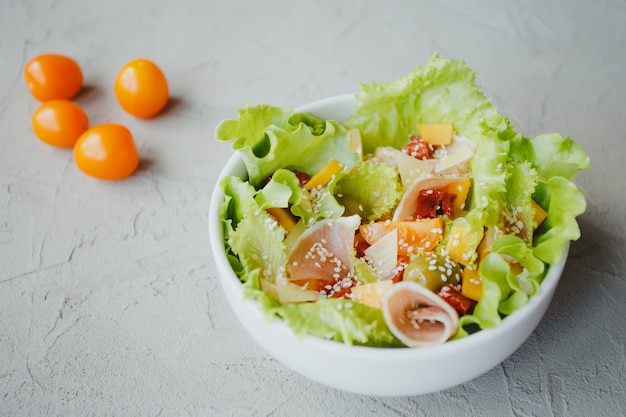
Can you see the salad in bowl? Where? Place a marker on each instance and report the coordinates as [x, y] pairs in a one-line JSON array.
[[418, 217]]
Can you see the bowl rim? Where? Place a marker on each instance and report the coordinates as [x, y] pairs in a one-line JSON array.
[[229, 278]]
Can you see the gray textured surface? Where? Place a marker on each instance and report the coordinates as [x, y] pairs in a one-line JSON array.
[[109, 301]]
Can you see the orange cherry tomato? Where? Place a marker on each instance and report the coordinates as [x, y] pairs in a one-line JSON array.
[[141, 88], [53, 77], [59, 123], [107, 152]]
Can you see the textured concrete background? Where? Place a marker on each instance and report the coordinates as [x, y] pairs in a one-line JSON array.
[[109, 300]]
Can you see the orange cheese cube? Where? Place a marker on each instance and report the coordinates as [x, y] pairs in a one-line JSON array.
[[462, 244], [436, 134], [371, 294], [471, 284]]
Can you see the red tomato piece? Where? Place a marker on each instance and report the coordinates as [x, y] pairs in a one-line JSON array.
[[456, 299]]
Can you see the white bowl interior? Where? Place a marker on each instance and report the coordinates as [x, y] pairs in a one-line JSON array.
[[367, 370]]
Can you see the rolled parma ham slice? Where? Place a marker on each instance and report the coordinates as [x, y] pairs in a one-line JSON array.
[[417, 316]]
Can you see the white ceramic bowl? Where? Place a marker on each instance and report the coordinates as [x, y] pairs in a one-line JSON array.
[[366, 370]]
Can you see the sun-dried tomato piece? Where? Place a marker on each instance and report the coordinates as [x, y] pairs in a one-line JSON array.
[[456, 299], [418, 149], [403, 261], [433, 203], [303, 178]]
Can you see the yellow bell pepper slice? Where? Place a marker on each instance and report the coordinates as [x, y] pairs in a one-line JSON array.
[[324, 175]]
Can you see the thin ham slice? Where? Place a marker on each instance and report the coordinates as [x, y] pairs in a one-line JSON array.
[[323, 251], [417, 316]]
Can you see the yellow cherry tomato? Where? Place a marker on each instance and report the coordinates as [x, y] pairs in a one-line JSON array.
[[53, 77], [59, 123], [141, 88], [107, 152]]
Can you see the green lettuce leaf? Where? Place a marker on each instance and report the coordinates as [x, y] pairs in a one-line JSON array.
[[494, 271], [496, 278], [555, 156], [248, 132], [441, 91], [519, 212], [363, 272], [504, 291], [335, 319], [371, 190], [557, 160], [489, 175], [306, 143], [564, 202], [258, 242], [253, 239], [283, 189], [516, 248], [238, 201], [319, 203]]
